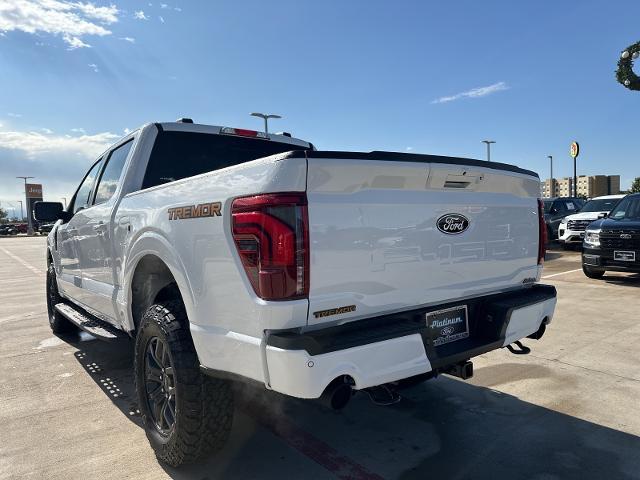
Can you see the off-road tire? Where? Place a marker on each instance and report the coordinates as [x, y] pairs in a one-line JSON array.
[[593, 272], [203, 405], [57, 322]]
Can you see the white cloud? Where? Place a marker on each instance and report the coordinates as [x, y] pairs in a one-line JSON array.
[[94, 67], [34, 143], [74, 42], [128, 39], [46, 131], [127, 131], [14, 115], [177, 9], [78, 130], [140, 15], [70, 20], [474, 93], [408, 149], [164, 5], [161, 19], [58, 161]]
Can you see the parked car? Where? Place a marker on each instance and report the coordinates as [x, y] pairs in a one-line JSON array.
[[8, 230], [555, 209], [45, 228], [232, 254], [11, 229], [21, 227], [613, 243], [572, 227]]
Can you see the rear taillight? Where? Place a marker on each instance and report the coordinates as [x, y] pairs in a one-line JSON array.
[[271, 233], [542, 233]]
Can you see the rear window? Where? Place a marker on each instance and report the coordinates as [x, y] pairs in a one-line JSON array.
[[177, 155]]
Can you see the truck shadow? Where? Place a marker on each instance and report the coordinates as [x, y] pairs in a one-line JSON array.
[[445, 427], [622, 279]]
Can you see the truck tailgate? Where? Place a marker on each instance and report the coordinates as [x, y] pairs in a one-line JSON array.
[[376, 246]]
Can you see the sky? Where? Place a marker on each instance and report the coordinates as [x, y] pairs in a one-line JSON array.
[[409, 76]]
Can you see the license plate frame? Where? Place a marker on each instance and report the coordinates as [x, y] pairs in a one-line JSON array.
[[624, 255], [451, 324]]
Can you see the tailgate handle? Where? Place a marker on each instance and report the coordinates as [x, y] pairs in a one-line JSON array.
[[456, 184], [461, 181]]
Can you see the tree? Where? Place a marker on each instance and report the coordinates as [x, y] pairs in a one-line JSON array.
[[3, 214], [635, 186]]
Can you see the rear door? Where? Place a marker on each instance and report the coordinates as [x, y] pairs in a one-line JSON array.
[[95, 236], [392, 235]]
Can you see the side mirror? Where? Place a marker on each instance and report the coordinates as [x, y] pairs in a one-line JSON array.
[[49, 212], [603, 215]]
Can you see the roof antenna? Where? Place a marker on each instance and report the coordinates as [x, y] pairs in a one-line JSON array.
[[266, 118]]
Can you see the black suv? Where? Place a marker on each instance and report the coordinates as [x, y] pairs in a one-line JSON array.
[[613, 243], [555, 209]]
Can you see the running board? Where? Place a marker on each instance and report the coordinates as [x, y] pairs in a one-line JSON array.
[[99, 329]]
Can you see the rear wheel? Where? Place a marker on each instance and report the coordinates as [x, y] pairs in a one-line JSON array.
[[186, 414], [57, 322], [592, 272]]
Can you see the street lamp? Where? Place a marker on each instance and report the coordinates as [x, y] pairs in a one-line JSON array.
[[30, 226], [488, 142], [551, 189], [266, 117]]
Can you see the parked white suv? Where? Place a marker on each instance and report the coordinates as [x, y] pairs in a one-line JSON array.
[[572, 227], [230, 253]]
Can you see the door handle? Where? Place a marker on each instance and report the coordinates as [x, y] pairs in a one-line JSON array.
[[100, 228]]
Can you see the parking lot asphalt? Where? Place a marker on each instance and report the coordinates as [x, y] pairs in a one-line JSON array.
[[567, 410]]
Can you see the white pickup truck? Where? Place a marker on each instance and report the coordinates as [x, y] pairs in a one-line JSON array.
[[234, 254]]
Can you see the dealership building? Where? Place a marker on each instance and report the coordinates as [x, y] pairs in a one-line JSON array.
[[589, 186]]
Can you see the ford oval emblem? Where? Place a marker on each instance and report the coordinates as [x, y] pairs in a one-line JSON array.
[[452, 223]]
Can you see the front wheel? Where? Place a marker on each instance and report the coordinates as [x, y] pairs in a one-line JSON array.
[[186, 414], [57, 322], [593, 272]]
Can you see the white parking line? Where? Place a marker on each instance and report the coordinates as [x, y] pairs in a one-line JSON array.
[[22, 262], [562, 273]]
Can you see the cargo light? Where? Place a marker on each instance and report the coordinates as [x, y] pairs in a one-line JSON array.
[[242, 132], [542, 233], [271, 233]]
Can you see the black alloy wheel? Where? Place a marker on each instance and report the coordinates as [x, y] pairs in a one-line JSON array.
[[160, 385]]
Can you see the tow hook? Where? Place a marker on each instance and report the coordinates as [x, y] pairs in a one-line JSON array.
[[383, 395], [522, 350]]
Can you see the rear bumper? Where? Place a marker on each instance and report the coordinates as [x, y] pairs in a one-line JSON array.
[[394, 347]]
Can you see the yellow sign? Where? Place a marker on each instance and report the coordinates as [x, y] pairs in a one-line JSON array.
[[575, 149]]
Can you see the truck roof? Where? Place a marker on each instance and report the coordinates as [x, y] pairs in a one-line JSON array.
[[217, 130]]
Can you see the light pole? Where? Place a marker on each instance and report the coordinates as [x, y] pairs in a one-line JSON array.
[[29, 225], [65, 202], [488, 142], [552, 191], [266, 118], [21, 211]]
